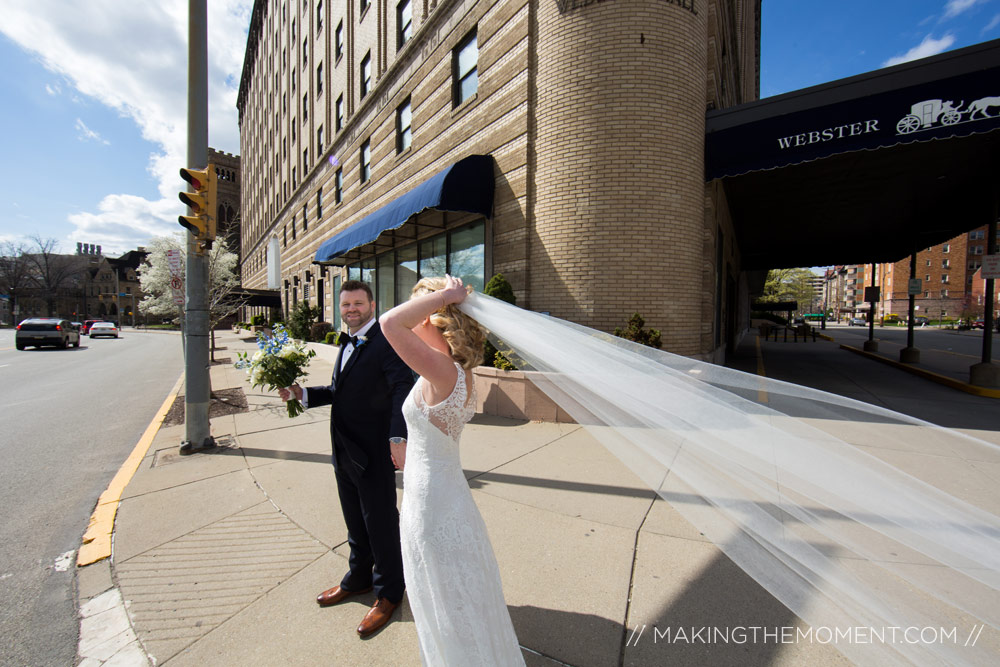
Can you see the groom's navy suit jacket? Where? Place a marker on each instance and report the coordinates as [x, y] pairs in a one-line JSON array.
[[367, 399]]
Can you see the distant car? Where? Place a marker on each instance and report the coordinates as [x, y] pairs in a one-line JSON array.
[[921, 321], [978, 324], [86, 326], [78, 325], [857, 321], [103, 329], [42, 331]]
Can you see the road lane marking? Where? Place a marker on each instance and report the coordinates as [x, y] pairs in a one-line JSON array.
[[97, 540]]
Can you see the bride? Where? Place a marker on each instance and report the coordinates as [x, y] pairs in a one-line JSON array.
[[452, 578]]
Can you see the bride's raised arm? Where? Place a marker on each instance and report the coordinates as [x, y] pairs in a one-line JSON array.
[[419, 343]]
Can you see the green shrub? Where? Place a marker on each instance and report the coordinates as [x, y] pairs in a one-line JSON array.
[[303, 316], [634, 332], [258, 320], [499, 288], [318, 331], [331, 337], [501, 362]]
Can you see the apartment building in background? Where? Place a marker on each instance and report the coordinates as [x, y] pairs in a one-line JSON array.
[[558, 143]]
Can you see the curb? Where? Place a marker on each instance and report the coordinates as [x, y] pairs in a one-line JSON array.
[[929, 375], [97, 538]]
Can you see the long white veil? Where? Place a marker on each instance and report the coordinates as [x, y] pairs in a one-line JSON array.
[[782, 478]]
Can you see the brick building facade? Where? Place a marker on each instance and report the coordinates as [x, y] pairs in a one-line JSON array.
[[592, 112]]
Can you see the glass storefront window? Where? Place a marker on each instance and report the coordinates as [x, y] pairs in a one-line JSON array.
[[368, 272], [467, 259], [406, 272], [434, 256], [336, 303], [385, 297], [393, 274]]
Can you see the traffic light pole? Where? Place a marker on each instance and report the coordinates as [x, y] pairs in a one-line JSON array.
[[197, 388]]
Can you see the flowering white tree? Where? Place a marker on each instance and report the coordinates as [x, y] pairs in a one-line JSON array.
[[223, 280]]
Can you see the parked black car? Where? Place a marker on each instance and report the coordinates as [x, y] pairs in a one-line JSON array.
[[41, 331]]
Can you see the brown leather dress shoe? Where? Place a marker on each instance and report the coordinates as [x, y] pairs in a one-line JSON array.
[[376, 617], [337, 594]]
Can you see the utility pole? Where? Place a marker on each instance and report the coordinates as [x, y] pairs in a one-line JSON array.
[[197, 388]]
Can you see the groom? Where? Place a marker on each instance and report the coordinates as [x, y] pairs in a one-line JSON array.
[[369, 385]]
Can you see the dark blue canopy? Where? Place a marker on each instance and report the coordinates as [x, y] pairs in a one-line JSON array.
[[465, 186]]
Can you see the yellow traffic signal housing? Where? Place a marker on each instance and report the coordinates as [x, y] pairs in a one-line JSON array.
[[202, 202]]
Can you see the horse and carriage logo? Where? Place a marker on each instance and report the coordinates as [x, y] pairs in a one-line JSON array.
[[925, 114]]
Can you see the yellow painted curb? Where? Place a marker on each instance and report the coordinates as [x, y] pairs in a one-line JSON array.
[[930, 375], [97, 540]]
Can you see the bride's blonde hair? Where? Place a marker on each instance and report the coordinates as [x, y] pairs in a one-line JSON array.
[[463, 334]]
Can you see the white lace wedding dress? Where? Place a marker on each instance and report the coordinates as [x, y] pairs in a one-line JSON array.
[[452, 578]]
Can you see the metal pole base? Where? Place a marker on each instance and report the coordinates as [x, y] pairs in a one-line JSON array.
[[985, 375], [909, 355], [871, 346], [188, 447]]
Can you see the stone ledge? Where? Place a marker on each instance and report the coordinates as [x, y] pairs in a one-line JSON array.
[[513, 394]]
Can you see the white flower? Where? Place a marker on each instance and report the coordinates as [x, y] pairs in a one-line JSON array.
[[288, 352], [255, 375], [257, 356]]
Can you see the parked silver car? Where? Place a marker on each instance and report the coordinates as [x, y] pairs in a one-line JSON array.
[[41, 331]]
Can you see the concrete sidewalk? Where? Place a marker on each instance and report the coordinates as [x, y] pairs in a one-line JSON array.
[[218, 557]]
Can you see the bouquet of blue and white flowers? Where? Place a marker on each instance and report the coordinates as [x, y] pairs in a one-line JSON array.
[[278, 362]]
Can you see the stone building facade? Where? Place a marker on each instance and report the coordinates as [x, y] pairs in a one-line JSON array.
[[592, 112], [227, 171]]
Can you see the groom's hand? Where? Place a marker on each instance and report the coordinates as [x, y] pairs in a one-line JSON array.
[[286, 393], [397, 450]]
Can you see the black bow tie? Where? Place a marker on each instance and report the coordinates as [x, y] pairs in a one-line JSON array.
[[347, 338]]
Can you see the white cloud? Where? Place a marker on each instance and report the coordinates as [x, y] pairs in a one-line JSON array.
[[132, 57], [87, 134], [928, 47], [956, 7], [53, 90], [994, 22]]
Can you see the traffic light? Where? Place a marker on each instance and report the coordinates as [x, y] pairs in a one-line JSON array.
[[202, 202]]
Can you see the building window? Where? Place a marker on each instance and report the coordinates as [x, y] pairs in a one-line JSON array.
[[366, 74], [338, 41], [319, 79], [319, 204], [305, 159], [339, 112], [305, 219], [465, 60], [404, 23], [319, 138], [305, 108], [366, 161], [305, 52], [293, 129], [944, 277], [944, 294], [364, 6], [293, 81], [927, 278], [977, 234], [293, 28], [319, 16], [404, 133], [946, 248], [293, 227], [976, 250], [945, 263], [294, 180], [928, 262], [284, 236], [338, 187]]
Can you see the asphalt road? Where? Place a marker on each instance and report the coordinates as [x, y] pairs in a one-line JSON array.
[[69, 419]]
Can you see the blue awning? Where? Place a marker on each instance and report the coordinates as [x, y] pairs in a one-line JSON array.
[[465, 186]]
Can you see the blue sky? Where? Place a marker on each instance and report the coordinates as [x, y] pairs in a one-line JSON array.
[[95, 106]]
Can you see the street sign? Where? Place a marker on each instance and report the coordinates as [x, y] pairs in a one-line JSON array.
[[914, 287], [175, 262], [991, 266]]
